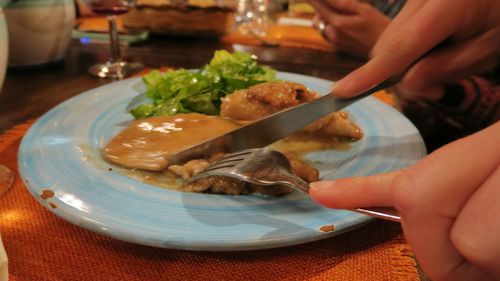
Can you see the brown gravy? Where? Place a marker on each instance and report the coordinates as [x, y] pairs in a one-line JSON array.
[[144, 146], [295, 146], [147, 143]]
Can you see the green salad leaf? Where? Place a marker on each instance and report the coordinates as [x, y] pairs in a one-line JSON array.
[[184, 91]]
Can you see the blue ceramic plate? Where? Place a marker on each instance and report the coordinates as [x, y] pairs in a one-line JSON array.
[[61, 154]]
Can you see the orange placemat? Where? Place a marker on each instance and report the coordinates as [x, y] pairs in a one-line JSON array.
[[41, 246], [291, 36]]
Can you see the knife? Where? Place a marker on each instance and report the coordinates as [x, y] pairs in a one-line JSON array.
[[273, 127]]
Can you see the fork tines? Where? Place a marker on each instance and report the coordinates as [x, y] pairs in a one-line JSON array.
[[230, 160]]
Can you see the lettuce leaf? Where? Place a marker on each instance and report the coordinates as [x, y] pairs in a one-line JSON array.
[[184, 91]]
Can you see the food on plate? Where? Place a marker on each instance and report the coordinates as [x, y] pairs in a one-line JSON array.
[[268, 98], [184, 91], [226, 185], [264, 99], [189, 107], [147, 143]]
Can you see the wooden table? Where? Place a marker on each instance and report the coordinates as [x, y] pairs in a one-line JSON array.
[[29, 93]]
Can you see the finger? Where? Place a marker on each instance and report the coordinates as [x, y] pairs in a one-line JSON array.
[[317, 19], [347, 86], [338, 38], [429, 195], [438, 189], [417, 35], [345, 6], [404, 16], [322, 8], [431, 93], [440, 169], [474, 56], [440, 176], [329, 10], [475, 231], [354, 192], [330, 34], [404, 45]]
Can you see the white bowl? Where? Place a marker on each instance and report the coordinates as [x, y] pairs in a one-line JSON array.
[[39, 30]]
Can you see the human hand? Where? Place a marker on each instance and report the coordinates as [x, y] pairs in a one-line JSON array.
[[469, 29], [448, 204], [352, 27]]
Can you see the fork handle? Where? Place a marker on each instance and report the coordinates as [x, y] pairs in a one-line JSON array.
[[386, 213], [294, 182]]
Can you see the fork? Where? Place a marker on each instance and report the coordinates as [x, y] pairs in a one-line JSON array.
[[268, 167]]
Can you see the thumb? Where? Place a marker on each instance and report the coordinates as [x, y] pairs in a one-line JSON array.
[[345, 6]]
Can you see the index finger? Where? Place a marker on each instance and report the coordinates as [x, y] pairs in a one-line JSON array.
[[429, 194], [338, 6], [400, 46]]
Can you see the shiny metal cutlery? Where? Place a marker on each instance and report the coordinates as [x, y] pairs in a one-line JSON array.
[[266, 167], [273, 127]]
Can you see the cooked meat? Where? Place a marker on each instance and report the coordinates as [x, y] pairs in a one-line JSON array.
[[257, 102], [189, 169], [231, 186], [238, 106], [218, 184], [267, 98], [281, 95], [304, 170], [147, 143], [335, 124], [264, 99], [216, 156]]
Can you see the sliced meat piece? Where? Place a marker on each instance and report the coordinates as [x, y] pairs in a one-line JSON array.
[[218, 184], [281, 95], [189, 169], [237, 106], [231, 186], [264, 99], [267, 98], [335, 124], [301, 169], [304, 170]]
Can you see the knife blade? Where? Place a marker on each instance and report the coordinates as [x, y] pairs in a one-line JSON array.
[[271, 128]]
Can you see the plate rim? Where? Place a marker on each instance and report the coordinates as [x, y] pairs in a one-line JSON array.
[[95, 227]]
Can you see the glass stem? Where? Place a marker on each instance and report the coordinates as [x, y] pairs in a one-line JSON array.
[[113, 39]]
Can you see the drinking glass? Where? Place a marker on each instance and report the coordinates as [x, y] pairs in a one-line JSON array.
[[6, 179], [6, 176], [252, 17], [115, 67]]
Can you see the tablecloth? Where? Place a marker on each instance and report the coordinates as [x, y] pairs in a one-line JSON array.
[[41, 246]]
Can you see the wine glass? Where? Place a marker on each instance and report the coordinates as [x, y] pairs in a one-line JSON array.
[[252, 17], [115, 67], [6, 175]]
